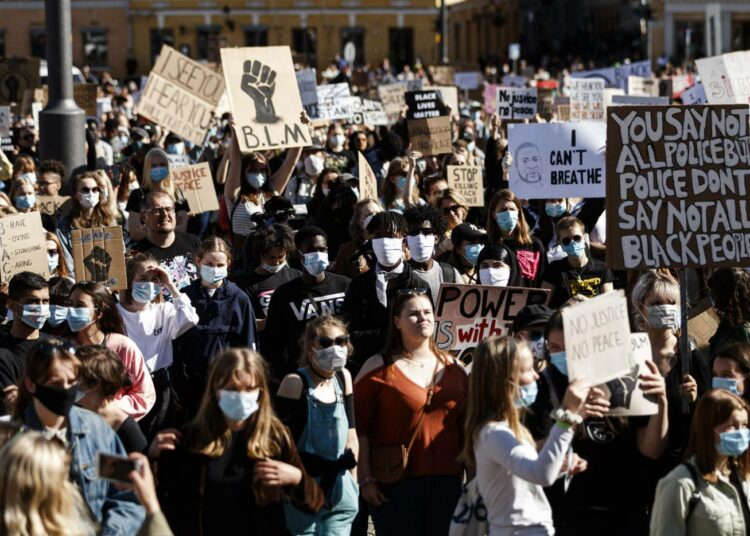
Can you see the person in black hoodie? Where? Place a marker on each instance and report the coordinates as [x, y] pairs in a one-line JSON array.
[[315, 293], [371, 293], [497, 266]]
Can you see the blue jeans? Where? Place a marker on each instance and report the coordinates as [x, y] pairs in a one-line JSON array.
[[421, 505]]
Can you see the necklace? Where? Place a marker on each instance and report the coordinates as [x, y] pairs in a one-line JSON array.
[[413, 362]]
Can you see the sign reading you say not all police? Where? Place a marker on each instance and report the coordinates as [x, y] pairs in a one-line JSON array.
[[679, 194], [264, 96]]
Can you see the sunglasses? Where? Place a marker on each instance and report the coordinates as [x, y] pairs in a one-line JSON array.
[[86, 189], [49, 348], [567, 240], [411, 291], [452, 208], [51, 252], [426, 231], [327, 342]]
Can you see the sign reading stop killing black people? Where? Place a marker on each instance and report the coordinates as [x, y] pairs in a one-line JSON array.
[[677, 194]]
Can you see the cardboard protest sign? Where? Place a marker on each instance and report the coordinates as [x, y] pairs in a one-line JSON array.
[[467, 180], [586, 99], [430, 136], [16, 76], [563, 112], [694, 95], [424, 104], [467, 314], [178, 160], [515, 103], [449, 95], [443, 75], [677, 189], [545, 101], [335, 102], [639, 86], [198, 186], [85, 96], [23, 246], [553, 160], [392, 97], [99, 255], [597, 338], [702, 327], [624, 393], [55, 205], [639, 101], [5, 122], [490, 98], [308, 92], [369, 112], [468, 80], [265, 98], [368, 182], [726, 78], [181, 95]]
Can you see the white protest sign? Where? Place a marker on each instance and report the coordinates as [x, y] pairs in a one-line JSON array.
[[694, 95], [306, 81], [619, 100], [369, 112], [554, 160], [640, 86], [449, 95], [468, 80], [467, 181], [726, 78], [392, 97], [265, 99], [5, 119], [586, 99], [597, 338], [335, 102], [515, 103], [624, 393]]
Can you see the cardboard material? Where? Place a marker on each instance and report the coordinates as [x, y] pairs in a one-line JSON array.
[[368, 182], [624, 393], [55, 205], [16, 76], [467, 314], [5, 122], [586, 99], [430, 136], [467, 180], [23, 246], [515, 103], [392, 97], [449, 94], [99, 255], [265, 98], [85, 96], [181, 95], [443, 75], [198, 186], [554, 160], [597, 338], [702, 327], [677, 187], [424, 104]]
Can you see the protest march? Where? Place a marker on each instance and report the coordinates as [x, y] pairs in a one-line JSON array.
[[450, 299]]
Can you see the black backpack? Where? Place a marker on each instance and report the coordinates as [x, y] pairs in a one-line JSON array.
[[695, 498]]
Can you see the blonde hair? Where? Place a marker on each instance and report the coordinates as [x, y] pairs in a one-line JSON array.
[[36, 497], [16, 185], [493, 389], [264, 433], [313, 330], [654, 284], [214, 244], [167, 184]]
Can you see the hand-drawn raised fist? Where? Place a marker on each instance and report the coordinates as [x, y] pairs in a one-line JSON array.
[[259, 82], [622, 389], [98, 263]]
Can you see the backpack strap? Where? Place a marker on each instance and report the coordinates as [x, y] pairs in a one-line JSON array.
[[695, 498], [449, 276]]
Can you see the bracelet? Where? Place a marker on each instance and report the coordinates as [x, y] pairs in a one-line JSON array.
[[566, 418], [366, 481]]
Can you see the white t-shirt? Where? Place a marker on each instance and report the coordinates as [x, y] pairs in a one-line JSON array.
[[242, 223]]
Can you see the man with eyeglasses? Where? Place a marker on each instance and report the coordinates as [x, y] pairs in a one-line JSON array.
[[174, 250], [578, 273]]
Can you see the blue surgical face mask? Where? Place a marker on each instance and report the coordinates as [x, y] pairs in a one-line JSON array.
[[472, 252], [79, 318], [316, 262], [575, 249], [728, 384], [554, 210], [213, 274], [35, 315], [158, 174], [144, 291], [238, 405], [176, 148], [25, 201], [256, 180], [507, 220], [57, 315], [528, 395], [401, 183], [733, 443], [559, 361]]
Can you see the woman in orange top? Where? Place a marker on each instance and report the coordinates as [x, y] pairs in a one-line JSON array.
[[391, 393]]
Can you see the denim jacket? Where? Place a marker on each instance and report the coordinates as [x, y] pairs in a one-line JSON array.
[[117, 512]]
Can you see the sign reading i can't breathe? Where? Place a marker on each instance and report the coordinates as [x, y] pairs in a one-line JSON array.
[[678, 189]]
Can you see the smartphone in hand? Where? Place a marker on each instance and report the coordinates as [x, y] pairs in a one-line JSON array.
[[115, 468]]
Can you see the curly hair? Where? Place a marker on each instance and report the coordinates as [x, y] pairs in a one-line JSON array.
[[730, 290], [417, 214]]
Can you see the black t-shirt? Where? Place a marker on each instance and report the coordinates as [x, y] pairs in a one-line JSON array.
[[136, 198], [570, 281], [12, 357], [177, 259], [260, 287], [131, 436], [343, 161]]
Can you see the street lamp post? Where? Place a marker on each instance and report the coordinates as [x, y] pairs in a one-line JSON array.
[[443, 33], [61, 124]]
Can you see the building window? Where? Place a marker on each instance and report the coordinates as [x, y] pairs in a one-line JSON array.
[[690, 36], [159, 37], [95, 46], [2, 43], [355, 36], [305, 46], [38, 42], [256, 36], [207, 47], [401, 47], [456, 38]]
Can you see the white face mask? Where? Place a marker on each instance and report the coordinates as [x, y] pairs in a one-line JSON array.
[[89, 200], [497, 277], [270, 268], [421, 247], [333, 358], [388, 251], [314, 165]]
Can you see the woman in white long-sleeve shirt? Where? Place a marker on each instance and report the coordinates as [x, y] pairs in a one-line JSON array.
[[153, 323], [510, 472]]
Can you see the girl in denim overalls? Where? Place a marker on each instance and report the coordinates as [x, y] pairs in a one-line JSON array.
[[316, 404]]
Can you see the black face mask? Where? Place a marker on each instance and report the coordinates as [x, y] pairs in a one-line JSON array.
[[56, 399]]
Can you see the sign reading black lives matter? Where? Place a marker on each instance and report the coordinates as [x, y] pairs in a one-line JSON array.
[[264, 97], [424, 105], [677, 193]]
